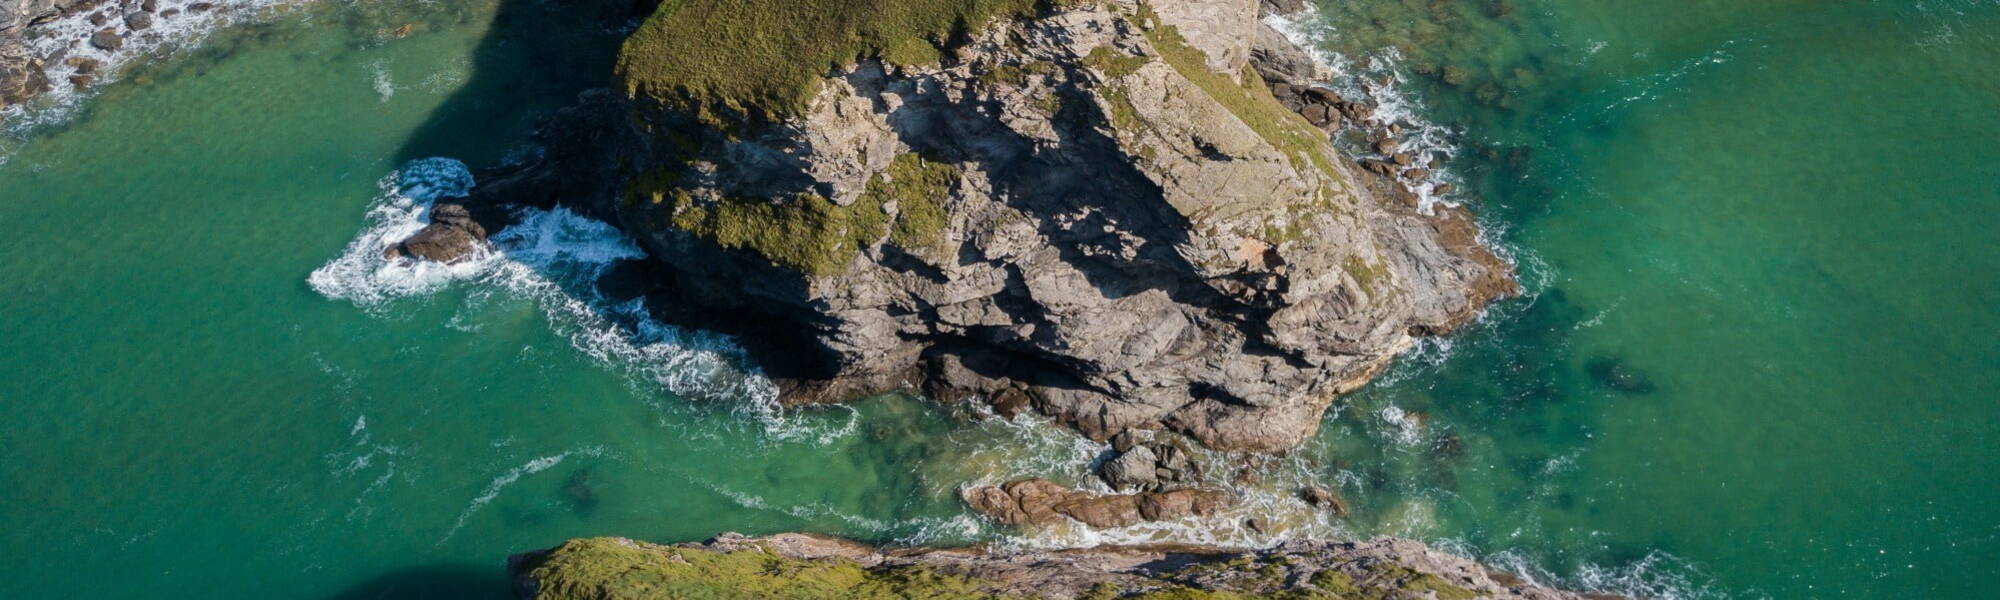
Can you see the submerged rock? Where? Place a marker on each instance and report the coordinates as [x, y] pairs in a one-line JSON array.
[[1614, 373], [794, 565], [1326, 499]]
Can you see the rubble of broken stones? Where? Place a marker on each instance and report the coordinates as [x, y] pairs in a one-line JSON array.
[[46, 44], [1154, 477]]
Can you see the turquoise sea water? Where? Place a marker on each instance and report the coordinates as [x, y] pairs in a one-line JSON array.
[[1757, 357]]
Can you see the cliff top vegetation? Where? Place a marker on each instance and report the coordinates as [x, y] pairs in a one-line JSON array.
[[745, 61]]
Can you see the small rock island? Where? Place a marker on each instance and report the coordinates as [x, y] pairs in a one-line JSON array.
[[1129, 216]]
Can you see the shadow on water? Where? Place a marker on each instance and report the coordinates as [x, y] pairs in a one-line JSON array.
[[536, 57], [442, 582]]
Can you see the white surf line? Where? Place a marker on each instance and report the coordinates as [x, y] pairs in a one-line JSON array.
[[76, 64], [1381, 78]]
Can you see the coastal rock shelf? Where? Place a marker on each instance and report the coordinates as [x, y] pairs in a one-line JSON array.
[[807, 566], [1094, 210]]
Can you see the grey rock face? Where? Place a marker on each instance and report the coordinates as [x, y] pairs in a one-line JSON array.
[[1142, 242], [1122, 248], [1132, 470], [1147, 464]]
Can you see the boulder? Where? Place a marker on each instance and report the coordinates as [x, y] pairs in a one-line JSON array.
[[1324, 96], [107, 39], [139, 21], [1127, 440], [1132, 470], [1320, 115], [455, 233], [1148, 463]]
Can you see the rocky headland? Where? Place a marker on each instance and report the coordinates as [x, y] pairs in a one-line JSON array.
[[1128, 216], [1123, 215]]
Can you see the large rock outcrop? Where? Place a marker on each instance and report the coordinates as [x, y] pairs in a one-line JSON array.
[[808, 566], [1097, 210]]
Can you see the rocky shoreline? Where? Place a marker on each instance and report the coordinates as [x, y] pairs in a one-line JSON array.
[[807, 566], [1124, 215], [56, 48]]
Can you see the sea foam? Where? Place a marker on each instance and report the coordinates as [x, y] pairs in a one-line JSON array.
[[554, 257], [1381, 79], [68, 36]]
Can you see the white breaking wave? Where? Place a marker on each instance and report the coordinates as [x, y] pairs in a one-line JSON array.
[[1382, 79], [554, 257], [68, 37]]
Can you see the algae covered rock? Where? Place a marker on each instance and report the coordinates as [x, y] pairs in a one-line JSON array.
[[807, 566]]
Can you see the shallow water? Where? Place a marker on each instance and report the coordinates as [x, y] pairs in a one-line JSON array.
[[1768, 223], [1772, 224]]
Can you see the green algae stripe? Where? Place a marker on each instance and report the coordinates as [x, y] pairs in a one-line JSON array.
[[735, 61], [616, 568], [816, 236]]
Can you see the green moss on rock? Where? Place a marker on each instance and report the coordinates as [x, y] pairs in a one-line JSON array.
[[1112, 63], [1018, 75], [1246, 97], [805, 232], [611, 568], [918, 187], [808, 232], [1336, 583], [1418, 583], [1370, 275], [729, 62]]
